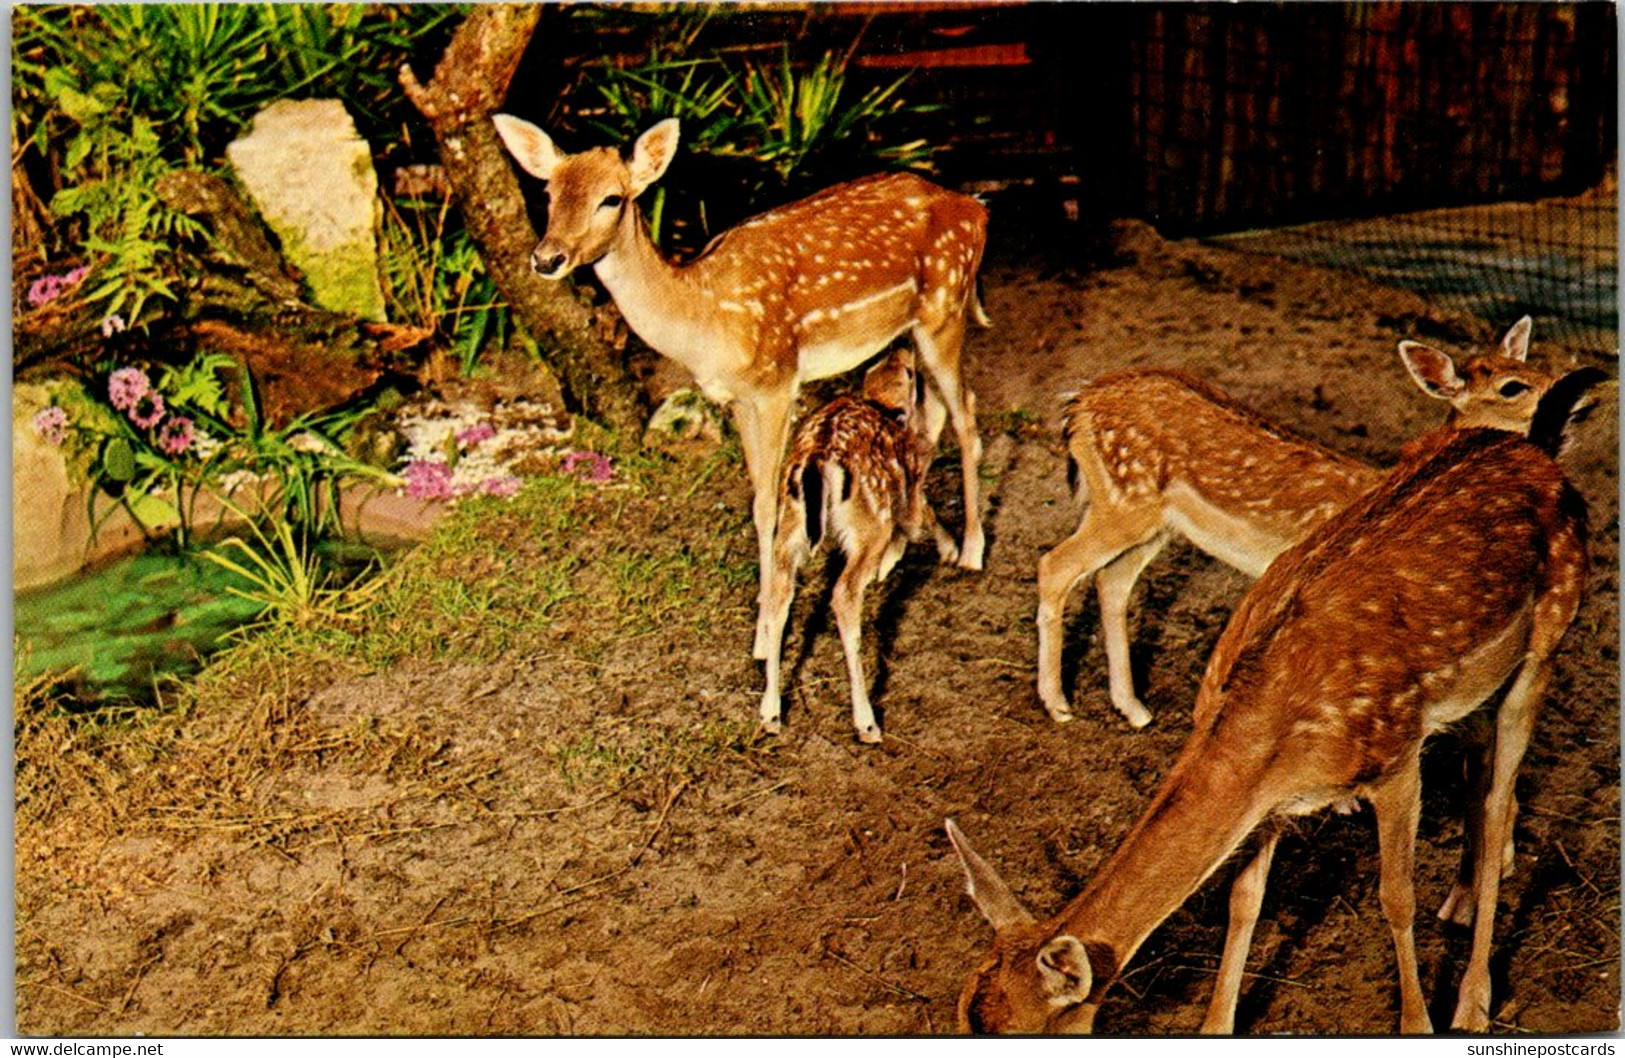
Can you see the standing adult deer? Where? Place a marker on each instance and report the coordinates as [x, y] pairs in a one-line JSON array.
[[1455, 577], [856, 473], [1156, 453], [806, 291]]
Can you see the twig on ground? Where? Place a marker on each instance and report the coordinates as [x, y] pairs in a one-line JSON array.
[[876, 978]]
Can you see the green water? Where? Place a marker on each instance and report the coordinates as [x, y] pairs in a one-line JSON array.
[[124, 625]]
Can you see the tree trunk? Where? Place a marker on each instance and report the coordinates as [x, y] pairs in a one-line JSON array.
[[468, 87]]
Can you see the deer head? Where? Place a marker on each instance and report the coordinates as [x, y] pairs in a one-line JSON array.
[[1035, 981], [1496, 391], [896, 385], [590, 194]]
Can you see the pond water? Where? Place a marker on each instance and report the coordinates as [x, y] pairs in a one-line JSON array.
[[124, 625]]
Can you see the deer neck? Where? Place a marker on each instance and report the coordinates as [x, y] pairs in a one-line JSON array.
[[664, 304], [1194, 823]]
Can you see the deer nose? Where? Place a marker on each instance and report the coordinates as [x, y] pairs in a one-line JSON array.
[[549, 264]]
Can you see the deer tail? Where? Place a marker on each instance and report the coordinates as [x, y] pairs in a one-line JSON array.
[[812, 502], [1569, 402], [977, 311]]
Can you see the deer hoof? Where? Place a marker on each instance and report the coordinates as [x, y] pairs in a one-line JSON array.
[[1136, 714], [1458, 906], [1061, 714], [869, 735], [771, 725]]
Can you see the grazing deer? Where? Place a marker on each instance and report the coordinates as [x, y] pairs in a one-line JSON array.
[[856, 472], [806, 291], [1157, 453], [1455, 576]]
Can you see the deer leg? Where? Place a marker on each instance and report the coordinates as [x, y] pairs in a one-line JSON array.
[[1113, 585], [1513, 724], [939, 350], [921, 518], [947, 550], [847, 602], [763, 424], [1101, 539], [788, 552], [1459, 906], [894, 552], [1246, 897], [1397, 802]]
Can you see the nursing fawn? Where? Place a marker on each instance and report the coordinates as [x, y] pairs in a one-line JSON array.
[[1156, 454], [856, 474], [1455, 577]]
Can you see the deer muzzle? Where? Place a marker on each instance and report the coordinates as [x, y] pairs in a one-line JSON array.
[[549, 262]]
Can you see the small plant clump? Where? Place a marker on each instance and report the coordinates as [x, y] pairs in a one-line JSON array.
[[156, 446]]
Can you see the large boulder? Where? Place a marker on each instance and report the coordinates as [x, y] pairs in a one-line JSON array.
[[50, 521], [311, 177]]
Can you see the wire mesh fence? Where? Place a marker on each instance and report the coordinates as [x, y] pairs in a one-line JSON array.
[[1553, 259]]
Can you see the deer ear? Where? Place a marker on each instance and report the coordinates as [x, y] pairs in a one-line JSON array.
[[987, 890], [1063, 967], [1515, 346], [652, 154], [1433, 371], [531, 147]]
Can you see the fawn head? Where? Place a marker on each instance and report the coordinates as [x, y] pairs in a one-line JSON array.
[[588, 193], [1499, 391], [1035, 981], [896, 385]]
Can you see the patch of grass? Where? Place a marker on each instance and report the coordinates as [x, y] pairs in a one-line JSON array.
[[588, 762], [1017, 422]]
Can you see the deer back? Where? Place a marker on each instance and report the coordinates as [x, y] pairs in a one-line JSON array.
[[1385, 623], [1160, 436]]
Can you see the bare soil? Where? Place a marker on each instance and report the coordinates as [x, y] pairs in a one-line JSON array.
[[598, 842]]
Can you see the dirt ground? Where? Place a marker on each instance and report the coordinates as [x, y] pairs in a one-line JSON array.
[[538, 881]]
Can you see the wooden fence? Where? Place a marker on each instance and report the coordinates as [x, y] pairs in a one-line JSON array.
[[1215, 116]]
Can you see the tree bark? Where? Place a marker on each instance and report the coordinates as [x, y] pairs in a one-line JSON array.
[[468, 87]]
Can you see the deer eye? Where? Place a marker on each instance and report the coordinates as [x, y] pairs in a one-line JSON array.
[[1513, 388], [611, 202]]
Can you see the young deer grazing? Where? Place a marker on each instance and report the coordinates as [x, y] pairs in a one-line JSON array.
[[806, 291], [1453, 578], [856, 472], [1158, 453]]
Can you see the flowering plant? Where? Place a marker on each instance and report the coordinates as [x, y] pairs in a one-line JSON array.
[[155, 441]]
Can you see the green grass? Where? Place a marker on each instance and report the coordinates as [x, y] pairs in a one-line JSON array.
[[564, 563]]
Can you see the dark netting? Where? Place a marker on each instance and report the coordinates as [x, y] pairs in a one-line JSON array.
[[1553, 259], [1464, 151]]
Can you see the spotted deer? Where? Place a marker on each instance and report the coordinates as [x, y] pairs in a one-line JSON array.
[[856, 473], [1155, 454], [1453, 578], [806, 291]]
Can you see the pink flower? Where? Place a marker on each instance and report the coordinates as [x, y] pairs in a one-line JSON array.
[[148, 410], [126, 386], [588, 466], [51, 424], [112, 325], [428, 481], [506, 485], [44, 290], [47, 289], [475, 434], [176, 436]]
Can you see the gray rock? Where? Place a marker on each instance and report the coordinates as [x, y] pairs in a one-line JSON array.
[[685, 419], [311, 177]]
